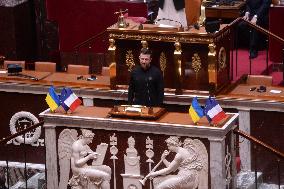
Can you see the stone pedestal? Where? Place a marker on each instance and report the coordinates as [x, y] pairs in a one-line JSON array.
[[131, 181]]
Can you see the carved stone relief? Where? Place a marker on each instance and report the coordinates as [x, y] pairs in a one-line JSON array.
[[22, 120], [74, 152], [191, 161], [228, 161], [132, 166]]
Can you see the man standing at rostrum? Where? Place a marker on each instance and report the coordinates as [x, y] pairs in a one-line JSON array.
[[146, 86]]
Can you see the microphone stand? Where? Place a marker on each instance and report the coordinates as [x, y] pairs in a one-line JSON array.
[[116, 106]]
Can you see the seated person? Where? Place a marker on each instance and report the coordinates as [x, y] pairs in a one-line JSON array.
[[146, 86], [256, 13]]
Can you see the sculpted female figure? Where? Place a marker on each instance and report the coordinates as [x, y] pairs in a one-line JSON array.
[[186, 164], [81, 153]]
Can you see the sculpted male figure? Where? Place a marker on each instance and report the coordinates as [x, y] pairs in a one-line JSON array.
[[81, 154]]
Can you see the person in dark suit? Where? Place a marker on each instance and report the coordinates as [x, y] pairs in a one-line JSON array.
[[256, 13], [146, 86]]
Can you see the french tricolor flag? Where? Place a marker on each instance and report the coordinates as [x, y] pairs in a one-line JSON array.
[[69, 100], [213, 111]]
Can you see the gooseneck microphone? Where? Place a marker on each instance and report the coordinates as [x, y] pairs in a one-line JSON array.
[[116, 104]]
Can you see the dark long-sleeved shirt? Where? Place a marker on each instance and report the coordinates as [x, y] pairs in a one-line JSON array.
[[146, 87], [179, 4], [258, 7]]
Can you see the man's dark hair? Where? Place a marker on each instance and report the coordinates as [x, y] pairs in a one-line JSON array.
[[146, 51]]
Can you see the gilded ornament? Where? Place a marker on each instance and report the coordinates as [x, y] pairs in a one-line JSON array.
[[179, 67], [129, 60], [144, 44], [177, 48], [165, 38], [222, 59], [212, 51], [163, 62], [111, 44], [196, 63]]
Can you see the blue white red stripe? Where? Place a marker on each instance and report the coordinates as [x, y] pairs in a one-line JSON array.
[[72, 102]]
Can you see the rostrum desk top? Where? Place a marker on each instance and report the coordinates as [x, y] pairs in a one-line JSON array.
[[152, 32], [169, 123]]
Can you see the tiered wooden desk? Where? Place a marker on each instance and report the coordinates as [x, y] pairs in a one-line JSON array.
[[225, 12]]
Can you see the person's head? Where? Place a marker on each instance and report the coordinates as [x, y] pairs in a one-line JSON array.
[[131, 142], [145, 58], [173, 142], [88, 135]]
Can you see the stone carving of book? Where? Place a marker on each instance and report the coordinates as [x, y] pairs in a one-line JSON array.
[[101, 150]]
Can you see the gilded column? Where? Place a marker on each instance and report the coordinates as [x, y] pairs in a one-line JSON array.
[[212, 68], [178, 67], [112, 63]]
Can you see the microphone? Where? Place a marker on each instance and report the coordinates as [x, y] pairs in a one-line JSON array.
[[27, 76], [116, 101]]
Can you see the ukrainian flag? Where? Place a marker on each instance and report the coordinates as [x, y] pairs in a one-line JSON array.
[[195, 110], [52, 99]]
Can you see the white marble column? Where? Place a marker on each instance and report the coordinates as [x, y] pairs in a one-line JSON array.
[[234, 163], [217, 163], [51, 156], [245, 147], [88, 101]]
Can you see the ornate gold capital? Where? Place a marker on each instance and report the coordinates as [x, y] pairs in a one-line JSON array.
[[212, 50], [111, 45], [177, 48], [163, 62], [212, 73], [144, 44], [222, 59], [178, 67]]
